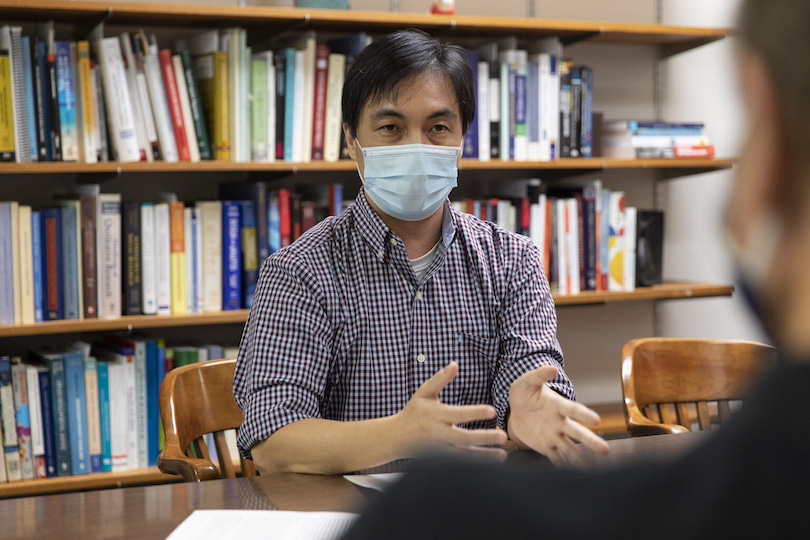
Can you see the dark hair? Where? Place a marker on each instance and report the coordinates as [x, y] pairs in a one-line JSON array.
[[378, 71], [777, 30]]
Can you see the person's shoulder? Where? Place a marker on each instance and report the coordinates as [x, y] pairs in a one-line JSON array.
[[487, 234]]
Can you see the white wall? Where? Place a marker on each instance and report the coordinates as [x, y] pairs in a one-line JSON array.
[[702, 85]]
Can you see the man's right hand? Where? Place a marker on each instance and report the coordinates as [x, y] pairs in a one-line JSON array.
[[426, 424]]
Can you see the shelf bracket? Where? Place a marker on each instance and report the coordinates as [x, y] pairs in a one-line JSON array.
[[84, 29]]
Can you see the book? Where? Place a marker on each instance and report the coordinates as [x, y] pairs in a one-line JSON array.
[[8, 143], [259, 126], [190, 247], [104, 416], [131, 258], [257, 193], [118, 102], [8, 422], [159, 100], [7, 229], [55, 363], [250, 258], [41, 101], [649, 247], [76, 411], [93, 413], [185, 108], [11, 41], [196, 106], [175, 109], [25, 266], [38, 273], [148, 260], [123, 405], [163, 261], [231, 256], [320, 80], [280, 62], [145, 128], [71, 254], [88, 270], [135, 348], [630, 227], [198, 249], [30, 98], [333, 127], [35, 414], [470, 148], [48, 430], [86, 119], [51, 225], [178, 257], [108, 244], [616, 221], [103, 142], [211, 227]]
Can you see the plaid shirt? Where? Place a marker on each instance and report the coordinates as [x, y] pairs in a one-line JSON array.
[[340, 329]]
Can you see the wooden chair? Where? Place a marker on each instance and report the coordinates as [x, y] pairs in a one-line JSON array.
[[196, 400], [671, 385]]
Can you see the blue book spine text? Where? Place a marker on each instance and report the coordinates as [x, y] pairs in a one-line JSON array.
[[232, 256], [45, 402], [153, 381], [77, 413], [70, 263], [104, 416], [28, 73], [289, 91], [36, 252], [67, 102]]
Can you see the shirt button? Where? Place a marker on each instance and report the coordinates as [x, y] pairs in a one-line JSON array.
[[380, 254], [420, 358], [393, 241], [418, 295]]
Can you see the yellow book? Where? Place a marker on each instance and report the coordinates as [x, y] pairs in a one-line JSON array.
[[212, 72], [6, 109], [178, 257], [15, 258], [26, 265], [86, 119]]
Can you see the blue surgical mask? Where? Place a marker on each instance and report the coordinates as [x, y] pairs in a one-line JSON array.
[[410, 181]]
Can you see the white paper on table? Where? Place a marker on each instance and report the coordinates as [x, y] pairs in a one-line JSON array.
[[276, 524], [378, 481]]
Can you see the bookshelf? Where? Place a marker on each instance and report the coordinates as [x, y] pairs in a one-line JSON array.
[[84, 15]]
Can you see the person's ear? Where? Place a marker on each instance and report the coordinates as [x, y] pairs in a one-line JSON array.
[[350, 142]]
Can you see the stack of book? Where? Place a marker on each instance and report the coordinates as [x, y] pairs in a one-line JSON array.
[[631, 139]]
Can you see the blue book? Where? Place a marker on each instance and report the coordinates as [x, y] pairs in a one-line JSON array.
[[104, 416], [70, 261], [250, 264], [586, 114], [256, 192], [153, 380], [76, 412], [471, 137], [231, 256], [289, 105], [55, 363], [28, 74], [51, 231], [36, 252], [6, 272], [273, 223], [67, 102], [46, 408], [41, 92]]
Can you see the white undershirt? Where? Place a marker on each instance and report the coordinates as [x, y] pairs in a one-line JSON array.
[[421, 264]]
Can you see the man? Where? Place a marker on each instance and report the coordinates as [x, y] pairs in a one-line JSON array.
[[750, 479], [401, 325]]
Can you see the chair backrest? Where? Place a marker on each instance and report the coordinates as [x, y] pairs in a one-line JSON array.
[[197, 400], [671, 385]]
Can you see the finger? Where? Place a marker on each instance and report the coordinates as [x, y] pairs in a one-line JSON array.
[[556, 457], [462, 414], [541, 375], [432, 387], [477, 437], [579, 412], [580, 433], [569, 451]]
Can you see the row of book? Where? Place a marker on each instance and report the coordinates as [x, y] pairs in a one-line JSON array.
[[630, 139], [93, 255], [88, 408], [589, 239]]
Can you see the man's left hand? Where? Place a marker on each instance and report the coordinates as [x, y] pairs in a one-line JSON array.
[[544, 421]]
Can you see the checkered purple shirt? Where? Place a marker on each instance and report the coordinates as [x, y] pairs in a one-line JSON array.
[[340, 329]]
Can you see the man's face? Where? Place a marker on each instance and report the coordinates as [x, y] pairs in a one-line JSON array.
[[423, 110]]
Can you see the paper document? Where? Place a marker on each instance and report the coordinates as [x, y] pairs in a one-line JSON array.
[[374, 481], [264, 524]]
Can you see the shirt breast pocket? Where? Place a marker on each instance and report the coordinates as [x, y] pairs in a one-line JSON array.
[[478, 365]]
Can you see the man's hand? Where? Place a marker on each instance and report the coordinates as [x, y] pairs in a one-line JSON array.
[[427, 424], [548, 423]]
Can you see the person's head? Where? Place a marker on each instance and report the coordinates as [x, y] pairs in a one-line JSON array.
[[769, 215], [405, 89]]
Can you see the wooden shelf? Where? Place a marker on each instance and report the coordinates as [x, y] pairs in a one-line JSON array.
[[669, 167], [669, 291], [84, 482], [671, 39]]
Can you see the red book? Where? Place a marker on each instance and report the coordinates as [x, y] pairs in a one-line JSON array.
[[308, 215], [173, 97], [284, 217], [319, 104]]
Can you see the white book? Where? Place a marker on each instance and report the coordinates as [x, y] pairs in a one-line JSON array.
[[10, 441], [521, 137], [11, 41], [482, 116], [163, 272], [537, 224], [14, 209], [533, 106], [35, 413], [334, 120], [211, 236], [148, 260], [20, 388], [549, 95], [271, 107], [108, 244], [160, 105], [6, 265], [198, 259], [26, 265], [616, 224], [188, 217], [300, 105], [131, 69], [185, 107], [631, 222], [572, 239], [97, 107], [308, 46], [245, 53], [120, 116]]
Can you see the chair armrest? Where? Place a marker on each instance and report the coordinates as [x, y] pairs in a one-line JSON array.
[[172, 461], [640, 425]]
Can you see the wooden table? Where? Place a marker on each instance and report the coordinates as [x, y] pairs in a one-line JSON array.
[[155, 511]]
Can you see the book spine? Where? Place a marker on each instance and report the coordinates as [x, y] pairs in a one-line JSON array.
[[470, 149], [76, 413], [319, 101], [521, 137], [586, 118], [89, 256], [119, 112], [14, 261], [189, 226], [19, 387], [36, 255], [139, 114], [9, 422], [52, 263], [333, 126], [507, 95], [281, 92], [160, 106], [104, 416], [163, 266], [258, 117], [566, 125], [616, 241], [195, 102], [48, 424], [153, 381], [67, 102], [93, 415], [70, 263], [35, 413], [41, 91], [118, 417], [87, 123], [141, 95], [185, 108], [250, 259], [148, 260], [222, 114], [174, 108], [21, 127], [232, 258], [273, 223], [289, 103], [60, 417], [6, 268], [109, 245], [177, 236], [284, 217], [141, 401], [211, 229], [102, 144], [53, 99], [26, 265], [131, 274], [30, 98], [7, 139], [196, 221]]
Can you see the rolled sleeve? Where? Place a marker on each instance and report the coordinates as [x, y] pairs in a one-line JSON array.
[[284, 356], [527, 332]]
